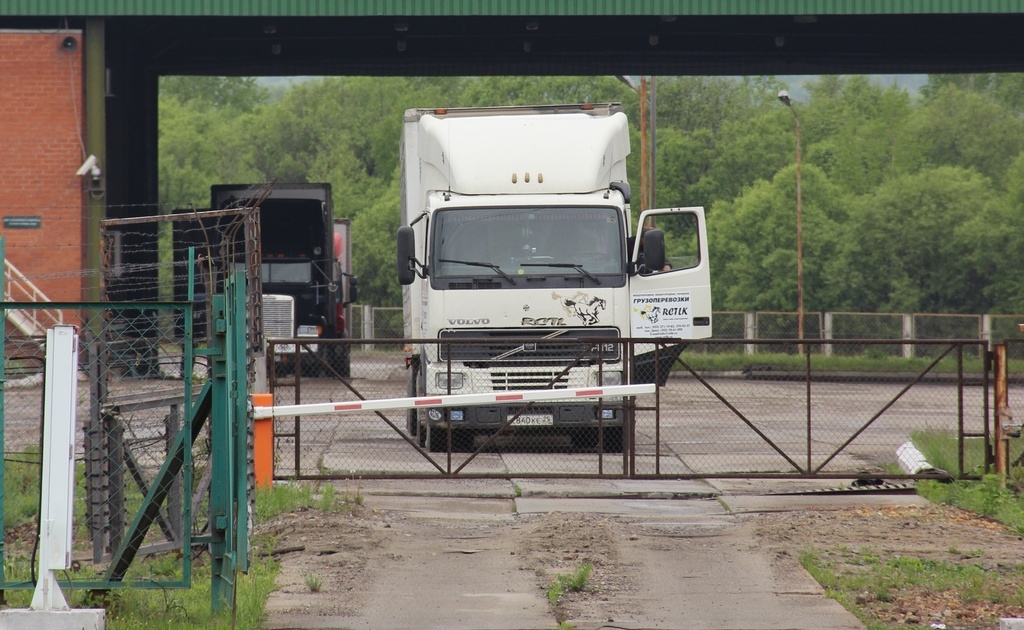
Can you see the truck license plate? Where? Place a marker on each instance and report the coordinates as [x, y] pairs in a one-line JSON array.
[[534, 420], [289, 348]]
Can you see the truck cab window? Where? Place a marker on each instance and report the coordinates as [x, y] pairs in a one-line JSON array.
[[682, 242]]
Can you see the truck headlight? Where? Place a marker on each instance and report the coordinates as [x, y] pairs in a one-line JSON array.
[[307, 331], [610, 377], [457, 380]]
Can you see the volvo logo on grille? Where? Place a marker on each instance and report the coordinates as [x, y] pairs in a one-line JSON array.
[[469, 322]]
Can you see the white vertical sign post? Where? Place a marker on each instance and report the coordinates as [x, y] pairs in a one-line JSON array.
[[60, 394]]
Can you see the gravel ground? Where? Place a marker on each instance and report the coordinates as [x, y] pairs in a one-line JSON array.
[[346, 554]]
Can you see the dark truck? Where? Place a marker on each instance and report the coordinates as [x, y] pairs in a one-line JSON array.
[[306, 267]]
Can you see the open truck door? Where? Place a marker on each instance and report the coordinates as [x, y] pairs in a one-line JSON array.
[[670, 289]]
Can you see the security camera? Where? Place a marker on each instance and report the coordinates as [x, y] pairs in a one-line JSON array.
[[87, 165]]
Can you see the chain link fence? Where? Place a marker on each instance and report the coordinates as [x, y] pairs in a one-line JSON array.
[[372, 322], [708, 417], [135, 387], [376, 322]]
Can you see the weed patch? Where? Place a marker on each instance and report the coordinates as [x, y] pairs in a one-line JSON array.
[[569, 582]]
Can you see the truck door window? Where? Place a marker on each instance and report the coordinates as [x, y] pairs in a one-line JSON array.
[[682, 244]]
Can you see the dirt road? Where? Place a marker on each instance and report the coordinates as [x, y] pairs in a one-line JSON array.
[[472, 554]]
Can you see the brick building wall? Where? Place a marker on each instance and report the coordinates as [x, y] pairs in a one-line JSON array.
[[41, 147]]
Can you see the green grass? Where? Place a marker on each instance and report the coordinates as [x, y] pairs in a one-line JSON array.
[[21, 488], [868, 362], [990, 497], [993, 496], [136, 609], [569, 582], [282, 498], [859, 578], [862, 583], [314, 582], [133, 608], [887, 579]]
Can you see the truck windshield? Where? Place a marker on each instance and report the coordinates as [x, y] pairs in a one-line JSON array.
[[298, 273], [285, 273], [579, 243]]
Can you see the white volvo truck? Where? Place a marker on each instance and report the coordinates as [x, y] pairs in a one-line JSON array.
[[517, 233]]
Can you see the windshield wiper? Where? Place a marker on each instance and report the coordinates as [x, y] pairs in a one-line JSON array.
[[578, 268], [473, 263]]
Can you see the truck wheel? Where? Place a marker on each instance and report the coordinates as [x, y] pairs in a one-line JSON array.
[[420, 433], [585, 438], [412, 422], [613, 439], [345, 361], [463, 440], [338, 357], [437, 439]]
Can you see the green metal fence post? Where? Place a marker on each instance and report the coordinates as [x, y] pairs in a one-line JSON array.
[[242, 418], [221, 458], [229, 504]]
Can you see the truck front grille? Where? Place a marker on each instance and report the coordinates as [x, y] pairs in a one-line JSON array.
[[279, 316], [530, 347], [516, 381]]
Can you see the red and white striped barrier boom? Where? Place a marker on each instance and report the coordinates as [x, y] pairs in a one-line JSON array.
[[453, 400]]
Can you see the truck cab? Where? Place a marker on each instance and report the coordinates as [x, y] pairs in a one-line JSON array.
[[518, 236]]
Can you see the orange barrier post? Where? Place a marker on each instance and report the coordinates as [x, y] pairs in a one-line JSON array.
[[263, 443]]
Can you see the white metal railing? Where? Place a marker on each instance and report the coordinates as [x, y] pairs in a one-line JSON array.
[[18, 288]]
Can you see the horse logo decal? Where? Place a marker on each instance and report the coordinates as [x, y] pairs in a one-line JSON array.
[[649, 313], [582, 306]]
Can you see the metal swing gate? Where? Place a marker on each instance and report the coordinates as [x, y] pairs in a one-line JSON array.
[[811, 420], [164, 464]]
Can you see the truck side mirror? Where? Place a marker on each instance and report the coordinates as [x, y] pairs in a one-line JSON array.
[[406, 251], [654, 250], [353, 289]]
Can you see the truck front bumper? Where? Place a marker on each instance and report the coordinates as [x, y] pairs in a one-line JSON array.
[[565, 415]]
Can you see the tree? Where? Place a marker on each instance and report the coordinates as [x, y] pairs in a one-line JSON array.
[[714, 138], [203, 138], [908, 246], [237, 94], [1005, 89], [373, 249], [967, 129], [753, 243], [855, 131], [994, 244]]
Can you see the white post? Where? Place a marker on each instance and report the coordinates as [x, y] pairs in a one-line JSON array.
[[59, 401], [908, 333], [826, 349], [367, 325], [749, 331]]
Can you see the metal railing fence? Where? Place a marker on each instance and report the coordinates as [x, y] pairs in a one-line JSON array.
[[718, 412], [375, 322]]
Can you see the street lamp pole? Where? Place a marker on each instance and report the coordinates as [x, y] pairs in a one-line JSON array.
[[784, 97], [648, 122]]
